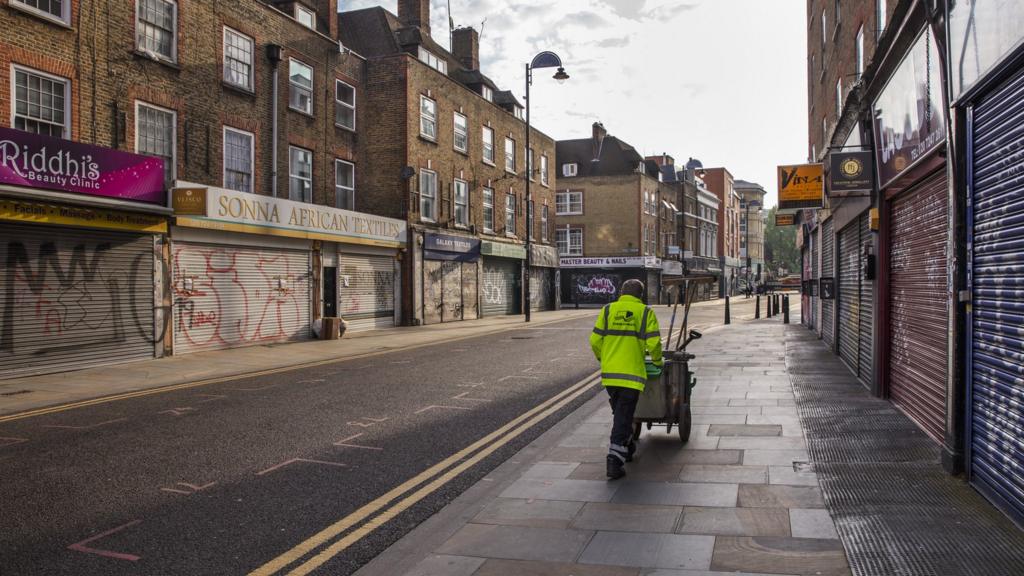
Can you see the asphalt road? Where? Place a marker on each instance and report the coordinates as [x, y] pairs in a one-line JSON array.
[[228, 477]]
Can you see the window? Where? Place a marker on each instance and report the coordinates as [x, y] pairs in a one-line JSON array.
[[428, 195], [428, 118], [529, 163], [839, 14], [519, 112], [238, 159], [238, 49], [544, 223], [461, 128], [569, 241], [570, 170], [42, 103], [487, 93], [300, 174], [300, 90], [529, 219], [51, 9], [489, 210], [305, 16], [344, 105], [155, 136], [510, 214], [568, 203], [156, 29], [488, 140], [880, 17], [430, 59], [510, 155], [839, 98], [461, 203], [544, 169], [860, 52], [344, 185]]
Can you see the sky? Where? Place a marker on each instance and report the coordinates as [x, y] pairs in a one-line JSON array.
[[724, 81]]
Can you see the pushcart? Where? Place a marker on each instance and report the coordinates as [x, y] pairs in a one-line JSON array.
[[665, 400]]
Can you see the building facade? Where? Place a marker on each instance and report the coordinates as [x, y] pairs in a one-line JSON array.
[[721, 183], [751, 230], [450, 159]]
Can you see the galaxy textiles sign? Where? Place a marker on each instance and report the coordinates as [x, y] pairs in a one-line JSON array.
[[38, 161]]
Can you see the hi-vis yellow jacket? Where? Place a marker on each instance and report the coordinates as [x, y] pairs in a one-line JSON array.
[[624, 331]]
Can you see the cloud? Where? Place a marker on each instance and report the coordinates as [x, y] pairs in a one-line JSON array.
[[620, 42]]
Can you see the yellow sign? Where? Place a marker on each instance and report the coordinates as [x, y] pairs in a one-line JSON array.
[[62, 215], [801, 186], [785, 219], [873, 219]]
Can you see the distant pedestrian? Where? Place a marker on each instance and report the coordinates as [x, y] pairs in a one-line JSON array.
[[625, 331]]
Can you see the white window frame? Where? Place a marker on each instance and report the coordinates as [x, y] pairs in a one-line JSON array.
[[174, 135], [570, 169], [571, 248], [544, 179], [529, 219], [464, 132], [433, 60], [565, 199], [15, 68], [880, 17], [173, 58], [338, 103], [250, 86], [463, 221], [529, 164], [510, 155], [485, 146], [488, 204], [544, 219], [290, 175], [859, 52], [432, 197], [64, 18], [340, 189], [510, 214], [839, 97], [303, 10], [487, 92], [294, 86], [224, 157], [824, 34], [427, 119]]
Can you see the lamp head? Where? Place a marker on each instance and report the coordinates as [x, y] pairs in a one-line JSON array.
[[561, 76]]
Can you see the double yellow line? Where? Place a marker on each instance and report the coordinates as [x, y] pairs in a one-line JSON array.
[[381, 510]]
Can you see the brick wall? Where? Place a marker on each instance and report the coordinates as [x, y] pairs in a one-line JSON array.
[[612, 214]]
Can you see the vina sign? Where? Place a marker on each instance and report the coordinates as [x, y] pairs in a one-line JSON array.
[[43, 162]]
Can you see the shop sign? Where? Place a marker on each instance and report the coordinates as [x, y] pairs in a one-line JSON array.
[[255, 214], [908, 114], [543, 256], [612, 262], [785, 219], [448, 247], [673, 268], [801, 186], [31, 212], [38, 161], [850, 174], [503, 250]]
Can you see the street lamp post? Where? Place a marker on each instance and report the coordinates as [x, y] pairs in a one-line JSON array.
[[751, 204], [542, 60]]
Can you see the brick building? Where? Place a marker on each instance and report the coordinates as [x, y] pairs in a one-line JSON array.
[[449, 157], [721, 183], [270, 241], [608, 218], [751, 229]]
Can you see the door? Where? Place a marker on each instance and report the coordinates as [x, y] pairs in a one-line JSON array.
[[828, 244], [330, 291], [367, 291], [451, 291], [501, 286], [917, 303], [232, 296], [865, 324], [849, 296], [432, 293], [74, 298], [997, 292], [470, 295]]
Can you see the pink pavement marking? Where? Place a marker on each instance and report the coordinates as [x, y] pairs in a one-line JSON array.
[[192, 488], [81, 546], [294, 460], [91, 426], [345, 443], [5, 441]]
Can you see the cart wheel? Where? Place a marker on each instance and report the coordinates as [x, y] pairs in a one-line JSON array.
[[685, 423], [636, 431]]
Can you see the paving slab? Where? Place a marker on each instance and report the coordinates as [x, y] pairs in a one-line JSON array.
[[794, 477], [564, 454], [698, 409], [772, 554], [768, 496], [572, 490], [766, 443], [659, 572], [650, 550], [643, 469], [728, 474], [753, 402], [444, 565], [735, 521], [710, 457], [627, 518], [682, 494], [552, 470], [517, 543], [745, 430], [774, 457], [534, 568], [719, 418], [528, 512], [811, 523]]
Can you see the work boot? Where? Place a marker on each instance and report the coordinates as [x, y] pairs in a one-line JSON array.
[[615, 469]]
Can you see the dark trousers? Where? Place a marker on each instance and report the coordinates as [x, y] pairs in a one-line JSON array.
[[623, 402]]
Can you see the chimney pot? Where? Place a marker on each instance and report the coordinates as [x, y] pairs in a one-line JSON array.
[[466, 47], [415, 13]]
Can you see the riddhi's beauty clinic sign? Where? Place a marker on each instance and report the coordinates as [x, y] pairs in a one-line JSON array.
[[37, 161]]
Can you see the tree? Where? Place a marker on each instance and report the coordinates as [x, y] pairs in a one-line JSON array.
[[780, 246]]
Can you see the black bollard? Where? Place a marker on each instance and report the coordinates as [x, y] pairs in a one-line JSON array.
[[785, 309], [775, 302], [727, 320], [757, 307]]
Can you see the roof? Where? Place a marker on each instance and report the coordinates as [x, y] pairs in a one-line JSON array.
[[616, 157], [747, 185], [506, 97], [370, 31]]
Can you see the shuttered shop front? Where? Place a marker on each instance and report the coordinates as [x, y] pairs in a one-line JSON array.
[[500, 289], [917, 303], [542, 288], [849, 296], [866, 307], [366, 291], [828, 245], [232, 296], [74, 298], [997, 350], [816, 275]]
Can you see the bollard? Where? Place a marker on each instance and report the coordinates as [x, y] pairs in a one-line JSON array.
[[775, 302], [727, 320], [785, 309], [757, 307]]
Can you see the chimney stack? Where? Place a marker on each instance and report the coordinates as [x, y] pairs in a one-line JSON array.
[[466, 47], [597, 140], [415, 13]]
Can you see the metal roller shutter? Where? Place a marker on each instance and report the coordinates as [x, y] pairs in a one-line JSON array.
[[816, 274], [917, 292], [866, 315], [828, 251], [232, 296], [366, 290], [501, 286], [542, 282], [849, 296], [73, 299], [997, 354]]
